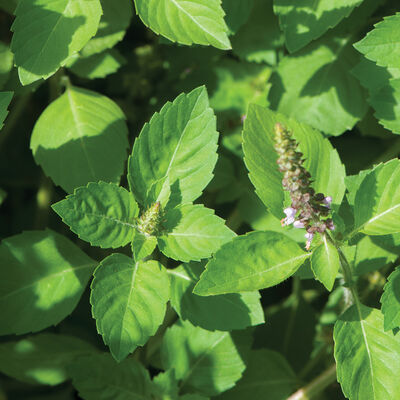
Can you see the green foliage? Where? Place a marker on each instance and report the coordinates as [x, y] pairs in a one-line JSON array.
[[45, 277], [5, 99], [390, 301]]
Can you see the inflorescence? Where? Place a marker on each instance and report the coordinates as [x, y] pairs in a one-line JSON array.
[[308, 209], [149, 222]]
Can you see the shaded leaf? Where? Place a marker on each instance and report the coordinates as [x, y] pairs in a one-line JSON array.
[[6, 63], [391, 301], [5, 99], [237, 13]]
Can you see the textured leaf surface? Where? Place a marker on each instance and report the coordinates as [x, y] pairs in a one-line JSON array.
[[381, 44], [225, 312], [391, 301], [193, 232], [46, 33], [325, 263], [42, 278], [101, 213], [81, 137], [100, 377], [5, 99], [316, 87], [254, 261], [186, 21], [42, 358], [267, 373], [367, 358], [209, 362], [179, 143], [377, 202], [304, 21], [128, 302], [322, 161], [142, 245]]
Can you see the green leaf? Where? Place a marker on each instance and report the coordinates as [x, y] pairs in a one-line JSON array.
[[128, 302], [42, 358], [3, 196], [204, 361], [115, 20], [237, 13], [5, 99], [193, 232], [179, 143], [367, 358], [81, 137], [98, 376], [315, 86], [101, 213], [325, 262], [166, 385], [142, 245], [42, 278], [47, 33], [8, 5], [322, 161], [267, 373], [6, 63], [380, 44], [377, 202], [229, 311], [186, 22], [305, 21], [254, 261], [391, 302]]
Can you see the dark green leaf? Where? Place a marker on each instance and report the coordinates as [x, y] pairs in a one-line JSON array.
[[391, 301], [5, 99]]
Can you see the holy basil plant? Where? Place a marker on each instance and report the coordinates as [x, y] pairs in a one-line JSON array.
[[200, 199]]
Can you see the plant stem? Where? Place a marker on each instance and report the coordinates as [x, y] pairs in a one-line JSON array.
[[316, 386]]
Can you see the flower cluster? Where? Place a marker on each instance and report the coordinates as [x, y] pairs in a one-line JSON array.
[[149, 222], [308, 209]]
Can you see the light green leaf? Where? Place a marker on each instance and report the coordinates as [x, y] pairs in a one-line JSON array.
[[193, 232], [367, 358], [81, 137], [304, 21], [316, 87], [42, 278], [101, 213], [204, 361], [6, 63], [267, 373], [325, 262], [186, 21], [128, 302], [142, 245], [5, 99], [115, 20], [377, 202], [229, 311], [98, 65], [322, 161], [42, 358], [237, 13], [166, 385], [380, 45], [47, 33], [100, 377], [179, 143], [254, 261], [391, 301]]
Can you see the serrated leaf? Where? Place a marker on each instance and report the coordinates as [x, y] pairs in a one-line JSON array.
[[305, 21], [142, 245], [179, 143], [41, 359], [316, 87], [81, 137], [208, 362], [47, 33], [42, 278], [229, 311], [367, 358], [192, 232], [377, 201], [267, 373], [100, 377], [379, 44], [128, 302], [391, 302], [322, 161], [186, 21], [5, 99], [101, 213], [254, 261], [115, 20], [325, 262]]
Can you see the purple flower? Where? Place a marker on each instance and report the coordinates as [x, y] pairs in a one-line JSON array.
[[298, 224], [327, 201], [309, 237], [290, 213]]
